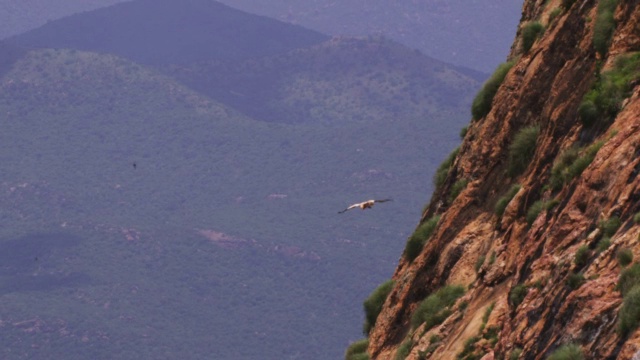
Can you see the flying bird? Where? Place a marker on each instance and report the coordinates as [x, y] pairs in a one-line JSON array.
[[364, 205]]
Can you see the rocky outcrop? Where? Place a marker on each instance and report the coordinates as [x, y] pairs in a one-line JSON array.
[[542, 272]]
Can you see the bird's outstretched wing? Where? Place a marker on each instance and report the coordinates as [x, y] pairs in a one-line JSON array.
[[383, 200], [349, 208]]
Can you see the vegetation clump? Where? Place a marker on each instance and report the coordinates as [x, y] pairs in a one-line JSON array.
[[357, 350], [530, 33], [420, 237], [575, 280], [404, 349], [629, 278], [443, 170], [604, 25], [482, 102], [603, 102], [436, 307], [625, 257], [610, 226], [515, 353], [567, 352], [629, 286], [502, 203], [570, 164], [581, 256], [522, 149], [536, 208], [373, 304], [457, 188], [517, 294], [629, 315]]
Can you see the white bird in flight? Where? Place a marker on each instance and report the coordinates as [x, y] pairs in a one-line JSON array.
[[364, 205]]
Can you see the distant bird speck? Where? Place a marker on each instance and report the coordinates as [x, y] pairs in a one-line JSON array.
[[364, 205], [135, 166]]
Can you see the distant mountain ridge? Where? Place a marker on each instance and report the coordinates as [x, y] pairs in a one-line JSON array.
[[343, 79], [332, 122], [169, 31]]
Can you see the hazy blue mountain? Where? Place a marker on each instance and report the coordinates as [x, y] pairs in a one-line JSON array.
[[337, 81], [476, 34], [142, 218], [170, 32], [17, 16]]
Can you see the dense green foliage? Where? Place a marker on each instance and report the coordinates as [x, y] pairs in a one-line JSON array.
[[404, 349], [530, 33], [625, 257], [420, 237], [629, 278], [571, 164], [582, 256], [575, 280], [443, 170], [522, 149], [457, 188], [604, 25], [373, 304], [536, 208], [602, 103], [515, 353], [610, 226], [436, 307], [357, 350], [567, 352], [629, 315], [517, 294], [560, 170], [483, 101], [504, 200]]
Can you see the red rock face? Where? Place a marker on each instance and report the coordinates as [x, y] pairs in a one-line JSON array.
[[561, 300]]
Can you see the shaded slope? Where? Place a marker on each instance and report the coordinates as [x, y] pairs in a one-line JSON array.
[[150, 276], [337, 81], [170, 31]]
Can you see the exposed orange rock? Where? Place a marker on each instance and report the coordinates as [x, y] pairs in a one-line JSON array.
[[491, 255]]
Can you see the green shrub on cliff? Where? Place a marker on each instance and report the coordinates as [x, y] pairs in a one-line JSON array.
[[604, 26], [443, 170], [603, 102], [357, 350], [373, 304], [522, 149], [502, 203], [629, 278], [530, 33], [457, 188], [629, 315], [436, 307], [420, 237], [567, 352], [482, 102]]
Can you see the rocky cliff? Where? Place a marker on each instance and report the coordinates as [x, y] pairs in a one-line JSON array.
[[528, 246]]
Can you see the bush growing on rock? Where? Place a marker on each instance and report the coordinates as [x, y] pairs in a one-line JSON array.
[[357, 350], [567, 352], [373, 304], [522, 149], [436, 307], [482, 102], [530, 33], [420, 237]]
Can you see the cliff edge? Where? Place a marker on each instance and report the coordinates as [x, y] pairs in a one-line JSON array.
[[529, 246]]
